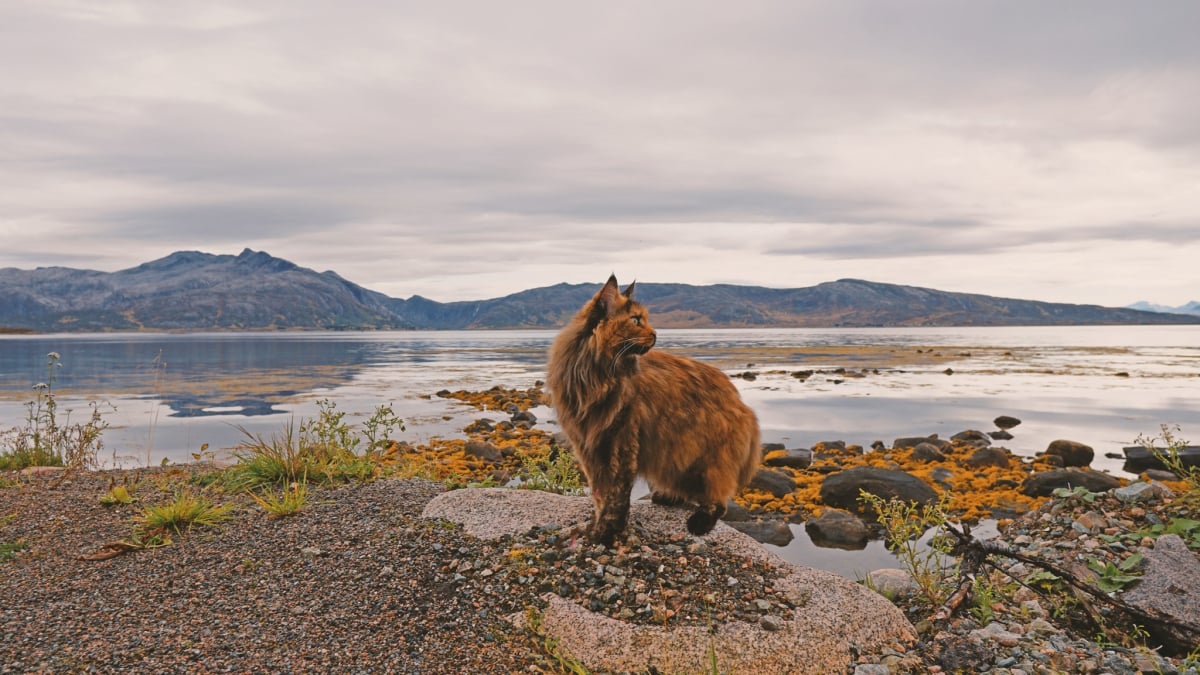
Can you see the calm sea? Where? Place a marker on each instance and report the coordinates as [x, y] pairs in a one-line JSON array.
[[166, 394]]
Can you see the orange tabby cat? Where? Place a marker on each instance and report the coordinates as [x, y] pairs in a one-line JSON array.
[[629, 411]]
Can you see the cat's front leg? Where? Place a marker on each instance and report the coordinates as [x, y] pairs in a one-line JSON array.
[[611, 495]]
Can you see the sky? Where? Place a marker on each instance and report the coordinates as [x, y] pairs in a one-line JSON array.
[[466, 150]]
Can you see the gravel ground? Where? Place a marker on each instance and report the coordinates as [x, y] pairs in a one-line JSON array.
[[357, 582]]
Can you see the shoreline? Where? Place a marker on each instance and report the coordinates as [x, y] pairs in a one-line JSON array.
[[358, 579]]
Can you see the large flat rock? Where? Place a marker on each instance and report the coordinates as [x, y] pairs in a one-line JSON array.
[[832, 615]]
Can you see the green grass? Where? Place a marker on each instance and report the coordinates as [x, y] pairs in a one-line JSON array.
[[185, 511], [291, 501]]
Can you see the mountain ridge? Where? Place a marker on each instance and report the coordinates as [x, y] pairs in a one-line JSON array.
[[195, 291]]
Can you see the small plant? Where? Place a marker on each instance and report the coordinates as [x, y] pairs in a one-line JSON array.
[[118, 494], [984, 595], [1167, 447], [556, 472], [550, 645], [185, 511], [9, 549], [904, 523], [290, 502], [49, 438], [1078, 493], [379, 427], [1112, 578]]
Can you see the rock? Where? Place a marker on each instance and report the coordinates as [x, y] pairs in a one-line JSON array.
[[524, 416], [1159, 475], [972, 437], [795, 459], [1045, 483], [1072, 453], [927, 452], [774, 532], [1001, 435], [914, 441], [987, 457], [841, 490], [836, 528], [1139, 458], [891, 582], [735, 512], [777, 483], [834, 616], [1170, 586], [483, 450], [1006, 422], [1143, 493]]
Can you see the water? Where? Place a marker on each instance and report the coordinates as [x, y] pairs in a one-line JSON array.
[[1103, 386]]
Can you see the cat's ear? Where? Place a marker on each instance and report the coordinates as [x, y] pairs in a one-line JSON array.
[[629, 291], [606, 302]]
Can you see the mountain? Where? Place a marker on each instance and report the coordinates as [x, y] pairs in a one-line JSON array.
[[190, 290], [1192, 308]]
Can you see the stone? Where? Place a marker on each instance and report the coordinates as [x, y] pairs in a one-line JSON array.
[[1045, 483], [891, 582], [1159, 475], [1143, 493], [834, 616], [927, 452], [841, 490], [1073, 453], [777, 483], [1006, 422], [1001, 435], [1170, 587], [914, 441], [836, 528], [483, 450], [989, 456], [774, 532], [795, 459], [735, 512], [972, 437]]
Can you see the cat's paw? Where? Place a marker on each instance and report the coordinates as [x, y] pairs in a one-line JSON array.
[[703, 520], [665, 500]]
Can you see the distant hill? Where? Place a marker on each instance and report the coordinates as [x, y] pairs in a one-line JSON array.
[[1192, 308], [192, 291]]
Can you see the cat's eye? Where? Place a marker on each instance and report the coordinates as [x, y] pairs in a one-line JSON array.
[[637, 320]]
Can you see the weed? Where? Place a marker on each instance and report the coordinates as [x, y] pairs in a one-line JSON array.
[[1078, 493], [1169, 454], [185, 511], [323, 450], [904, 523], [556, 472], [9, 549], [1114, 578], [118, 494], [49, 438], [290, 502], [984, 595], [550, 645]]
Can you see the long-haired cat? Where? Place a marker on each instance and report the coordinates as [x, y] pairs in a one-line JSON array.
[[630, 411]]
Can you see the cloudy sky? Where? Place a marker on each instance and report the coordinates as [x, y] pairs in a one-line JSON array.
[[466, 150]]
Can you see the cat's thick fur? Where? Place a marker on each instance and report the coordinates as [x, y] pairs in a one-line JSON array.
[[630, 411]]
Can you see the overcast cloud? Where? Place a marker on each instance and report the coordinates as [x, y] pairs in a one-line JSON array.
[[466, 150]]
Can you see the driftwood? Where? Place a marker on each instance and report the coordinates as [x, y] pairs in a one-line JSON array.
[[1178, 636]]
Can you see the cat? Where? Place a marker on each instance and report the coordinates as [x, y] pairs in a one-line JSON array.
[[630, 411]]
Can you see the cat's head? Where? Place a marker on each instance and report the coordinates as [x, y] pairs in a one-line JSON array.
[[617, 322]]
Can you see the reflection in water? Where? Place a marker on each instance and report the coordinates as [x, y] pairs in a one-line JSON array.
[[173, 393], [1099, 385]]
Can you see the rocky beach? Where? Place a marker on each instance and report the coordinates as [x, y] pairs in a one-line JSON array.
[[373, 575]]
